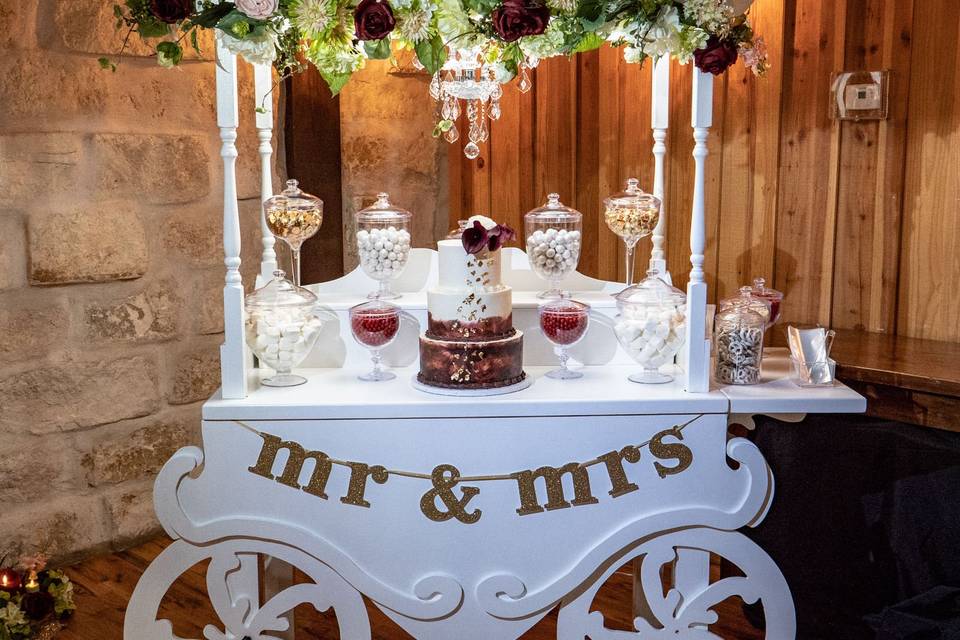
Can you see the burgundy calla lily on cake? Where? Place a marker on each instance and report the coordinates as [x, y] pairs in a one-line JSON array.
[[470, 342]]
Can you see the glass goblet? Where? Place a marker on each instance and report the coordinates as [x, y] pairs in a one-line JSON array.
[[631, 215], [375, 324], [564, 323], [294, 217]]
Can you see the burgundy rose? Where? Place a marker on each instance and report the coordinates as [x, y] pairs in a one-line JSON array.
[[171, 11], [474, 238], [517, 18], [499, 236], [37, 605], [373, 19], [716, 56]]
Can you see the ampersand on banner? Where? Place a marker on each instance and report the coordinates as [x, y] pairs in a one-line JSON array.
[[445, 478]]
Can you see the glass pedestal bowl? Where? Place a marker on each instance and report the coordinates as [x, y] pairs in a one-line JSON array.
[[554, 235], [651, 326], [281, 328]]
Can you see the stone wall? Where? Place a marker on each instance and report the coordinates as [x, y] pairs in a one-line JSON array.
[[386, 124], [110, 272]]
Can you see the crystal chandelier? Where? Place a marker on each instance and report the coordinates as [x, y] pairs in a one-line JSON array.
[[466, 77]]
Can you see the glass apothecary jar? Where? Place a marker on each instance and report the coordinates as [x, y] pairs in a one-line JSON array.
[[383, 244], [554, 234], [738, 332], [293, 216], [651, 326], [772, 297], [281, 328], [631, 214]]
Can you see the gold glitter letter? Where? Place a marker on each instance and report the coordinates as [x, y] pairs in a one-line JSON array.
[[680, 452], [618, 477], [553, 478], [291, 471], [359, 472], [445, 477]]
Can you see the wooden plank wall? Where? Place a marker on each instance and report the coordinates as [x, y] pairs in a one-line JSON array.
[[859, 223]]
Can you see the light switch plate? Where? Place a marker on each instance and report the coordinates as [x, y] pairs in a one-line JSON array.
[[860, 95]]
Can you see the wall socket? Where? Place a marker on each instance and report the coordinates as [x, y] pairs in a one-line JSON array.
[[860, 95]]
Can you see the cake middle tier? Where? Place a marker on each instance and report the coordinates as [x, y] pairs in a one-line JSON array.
[[487, 364], [469, 315]]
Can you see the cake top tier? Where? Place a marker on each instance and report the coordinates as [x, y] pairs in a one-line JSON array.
[[462, 271], [472, 261]]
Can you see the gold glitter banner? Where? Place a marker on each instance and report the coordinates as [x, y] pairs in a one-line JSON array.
[[442, 502]]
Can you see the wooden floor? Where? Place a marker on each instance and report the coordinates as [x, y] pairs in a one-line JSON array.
[[104, 584]]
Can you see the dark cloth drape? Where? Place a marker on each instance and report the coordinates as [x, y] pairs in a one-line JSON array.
[[865, 524]]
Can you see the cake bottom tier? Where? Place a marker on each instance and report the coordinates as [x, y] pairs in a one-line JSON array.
[[454, 364]]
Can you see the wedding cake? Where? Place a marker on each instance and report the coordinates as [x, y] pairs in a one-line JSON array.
[[470, 342]]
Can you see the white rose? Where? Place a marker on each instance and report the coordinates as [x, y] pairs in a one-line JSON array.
[[253, 49], [257, 9]]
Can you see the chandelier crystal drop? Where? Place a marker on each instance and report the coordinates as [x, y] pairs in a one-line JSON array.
[[466, 84]]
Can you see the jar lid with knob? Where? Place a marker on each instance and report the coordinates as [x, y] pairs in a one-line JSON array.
[[651, 291], [384, 213], [280, 292]]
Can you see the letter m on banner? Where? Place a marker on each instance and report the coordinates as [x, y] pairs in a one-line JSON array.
[[553, 480]]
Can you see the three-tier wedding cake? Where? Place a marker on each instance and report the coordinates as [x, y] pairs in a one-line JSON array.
[[470, 342]]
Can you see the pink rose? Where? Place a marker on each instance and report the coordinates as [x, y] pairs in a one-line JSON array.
[[257, 9]]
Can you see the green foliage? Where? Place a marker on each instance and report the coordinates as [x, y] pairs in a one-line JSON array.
[[334, 80], [431, 53], [377, 49], [169, 54]]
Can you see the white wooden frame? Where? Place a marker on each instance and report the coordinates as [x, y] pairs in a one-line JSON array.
[[235, 358]]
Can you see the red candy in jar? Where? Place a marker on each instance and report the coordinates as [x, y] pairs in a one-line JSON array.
[[375, 327], [563, 324]]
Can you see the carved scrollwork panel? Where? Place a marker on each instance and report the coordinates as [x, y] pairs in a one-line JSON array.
[[239, 613], [676, 614]]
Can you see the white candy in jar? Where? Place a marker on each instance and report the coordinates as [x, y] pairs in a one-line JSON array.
[[282, 337], [553, 252], [652, 335], [383, 252]]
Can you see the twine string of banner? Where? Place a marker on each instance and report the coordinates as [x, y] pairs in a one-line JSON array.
[[482, 478]]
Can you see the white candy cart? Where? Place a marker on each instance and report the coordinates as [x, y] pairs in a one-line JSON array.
[[471, 518]]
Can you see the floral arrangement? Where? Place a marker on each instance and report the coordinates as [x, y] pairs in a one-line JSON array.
[[483, 234], [33, 600], [338, 36]]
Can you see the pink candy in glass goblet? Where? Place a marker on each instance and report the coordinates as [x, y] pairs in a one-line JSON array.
[[375, 325], [564, 323]]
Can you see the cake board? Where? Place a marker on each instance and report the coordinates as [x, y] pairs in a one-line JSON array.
[[471, 393]]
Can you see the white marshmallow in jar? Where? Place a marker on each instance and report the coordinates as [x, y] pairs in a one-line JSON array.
[[281, 328], [651, 326], [383, 244], [554, 236]]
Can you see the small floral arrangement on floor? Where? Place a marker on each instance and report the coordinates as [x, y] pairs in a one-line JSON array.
[[33, 600], [338, 36]]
